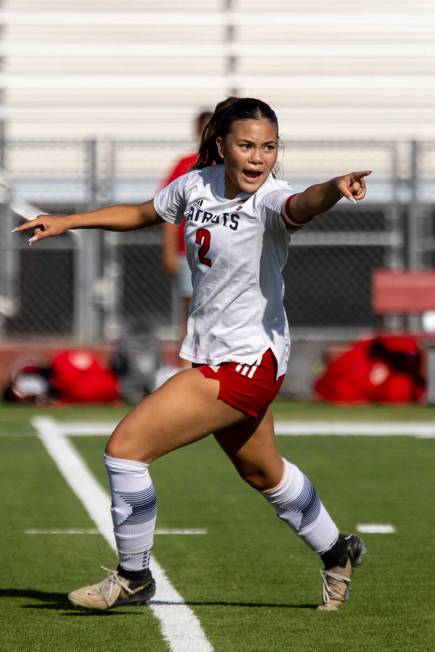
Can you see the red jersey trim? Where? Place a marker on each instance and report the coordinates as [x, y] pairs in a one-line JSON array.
[[287, 215]]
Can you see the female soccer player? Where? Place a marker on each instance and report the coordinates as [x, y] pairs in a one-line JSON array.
[[239, 220]]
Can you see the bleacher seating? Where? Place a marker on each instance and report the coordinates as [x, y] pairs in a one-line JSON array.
[[141, 69], [330, 68]]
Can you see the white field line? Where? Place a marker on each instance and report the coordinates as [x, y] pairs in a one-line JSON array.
[[78, 530], [352, 428], [66, 530], [376, 528], [181, 628], [83, 428], [419, 429], [180, 531]]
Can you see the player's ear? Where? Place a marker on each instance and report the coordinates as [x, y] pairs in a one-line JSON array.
[[220, 147]]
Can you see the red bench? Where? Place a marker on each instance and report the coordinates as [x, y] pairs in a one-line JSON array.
[[403, 293]]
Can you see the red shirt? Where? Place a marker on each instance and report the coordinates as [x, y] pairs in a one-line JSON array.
[[182, 166]]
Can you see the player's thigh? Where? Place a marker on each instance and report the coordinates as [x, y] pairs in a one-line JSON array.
[[185, 409], [251, 446]]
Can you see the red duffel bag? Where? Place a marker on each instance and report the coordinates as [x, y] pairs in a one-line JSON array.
[[384, 369], [79, 377]]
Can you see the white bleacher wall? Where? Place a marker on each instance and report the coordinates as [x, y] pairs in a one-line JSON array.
[[142, 69], [331, 69]]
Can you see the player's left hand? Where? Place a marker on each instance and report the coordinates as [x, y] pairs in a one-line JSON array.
[[353, 185]]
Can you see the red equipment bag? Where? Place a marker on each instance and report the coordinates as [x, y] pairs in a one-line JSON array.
[[79, 377], [384, 369]]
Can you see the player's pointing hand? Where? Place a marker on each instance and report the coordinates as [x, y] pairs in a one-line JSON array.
[[44, 226], [352, 185]]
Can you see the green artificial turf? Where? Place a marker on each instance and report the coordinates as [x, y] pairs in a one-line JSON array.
[[250, 581]]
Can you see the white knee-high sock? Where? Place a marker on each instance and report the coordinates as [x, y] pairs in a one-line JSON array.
[[296, 502], [134, 511]]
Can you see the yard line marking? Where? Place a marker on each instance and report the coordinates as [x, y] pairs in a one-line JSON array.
[[376, 528], [418, 429], [82, 428], [77, 475], [181, 628], [67, 530], [77, 530], [424, 429], [180, 531]]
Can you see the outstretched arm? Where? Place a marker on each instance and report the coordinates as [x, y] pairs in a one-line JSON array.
[[170, 248], [122, 217], [323, 196]]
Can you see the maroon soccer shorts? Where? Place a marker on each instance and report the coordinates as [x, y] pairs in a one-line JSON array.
[[247, 388]]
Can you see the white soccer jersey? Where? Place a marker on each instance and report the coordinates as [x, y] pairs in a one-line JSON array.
[[236, 249]]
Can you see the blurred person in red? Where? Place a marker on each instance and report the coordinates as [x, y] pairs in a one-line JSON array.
[[174, 249]]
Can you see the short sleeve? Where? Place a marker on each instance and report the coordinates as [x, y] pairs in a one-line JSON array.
[[273, 209], [170, 201]]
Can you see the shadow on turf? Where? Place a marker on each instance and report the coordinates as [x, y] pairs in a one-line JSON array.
[[53, 601], [59, 601]]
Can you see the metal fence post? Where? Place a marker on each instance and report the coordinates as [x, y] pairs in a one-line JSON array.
[[396, 257], [413, 242], [8, 264], [87, 327], [110, 283], [413, 231], [395, 253]]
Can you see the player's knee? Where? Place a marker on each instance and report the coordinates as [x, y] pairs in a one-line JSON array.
[[125, 443]]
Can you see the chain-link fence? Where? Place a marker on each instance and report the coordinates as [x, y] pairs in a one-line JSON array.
[[89, 285]]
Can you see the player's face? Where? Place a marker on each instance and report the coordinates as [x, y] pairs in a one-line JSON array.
[[249, 152]]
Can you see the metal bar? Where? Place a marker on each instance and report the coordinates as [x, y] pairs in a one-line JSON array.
[[87, 322], [414, 258], [9, 265], [347, 239], [394, 254]]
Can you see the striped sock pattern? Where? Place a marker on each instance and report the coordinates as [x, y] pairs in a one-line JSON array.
[[136, 562], [134, 511], [297, 503]]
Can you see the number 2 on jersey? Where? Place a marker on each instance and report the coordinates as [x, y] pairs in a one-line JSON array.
[[203, 238]]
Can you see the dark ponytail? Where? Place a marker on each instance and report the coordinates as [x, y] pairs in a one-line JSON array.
[[220, 123]]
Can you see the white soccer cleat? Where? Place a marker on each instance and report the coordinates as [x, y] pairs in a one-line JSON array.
[[114, 591]]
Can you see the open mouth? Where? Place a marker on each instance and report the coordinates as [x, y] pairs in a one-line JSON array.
[[252, 174]]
